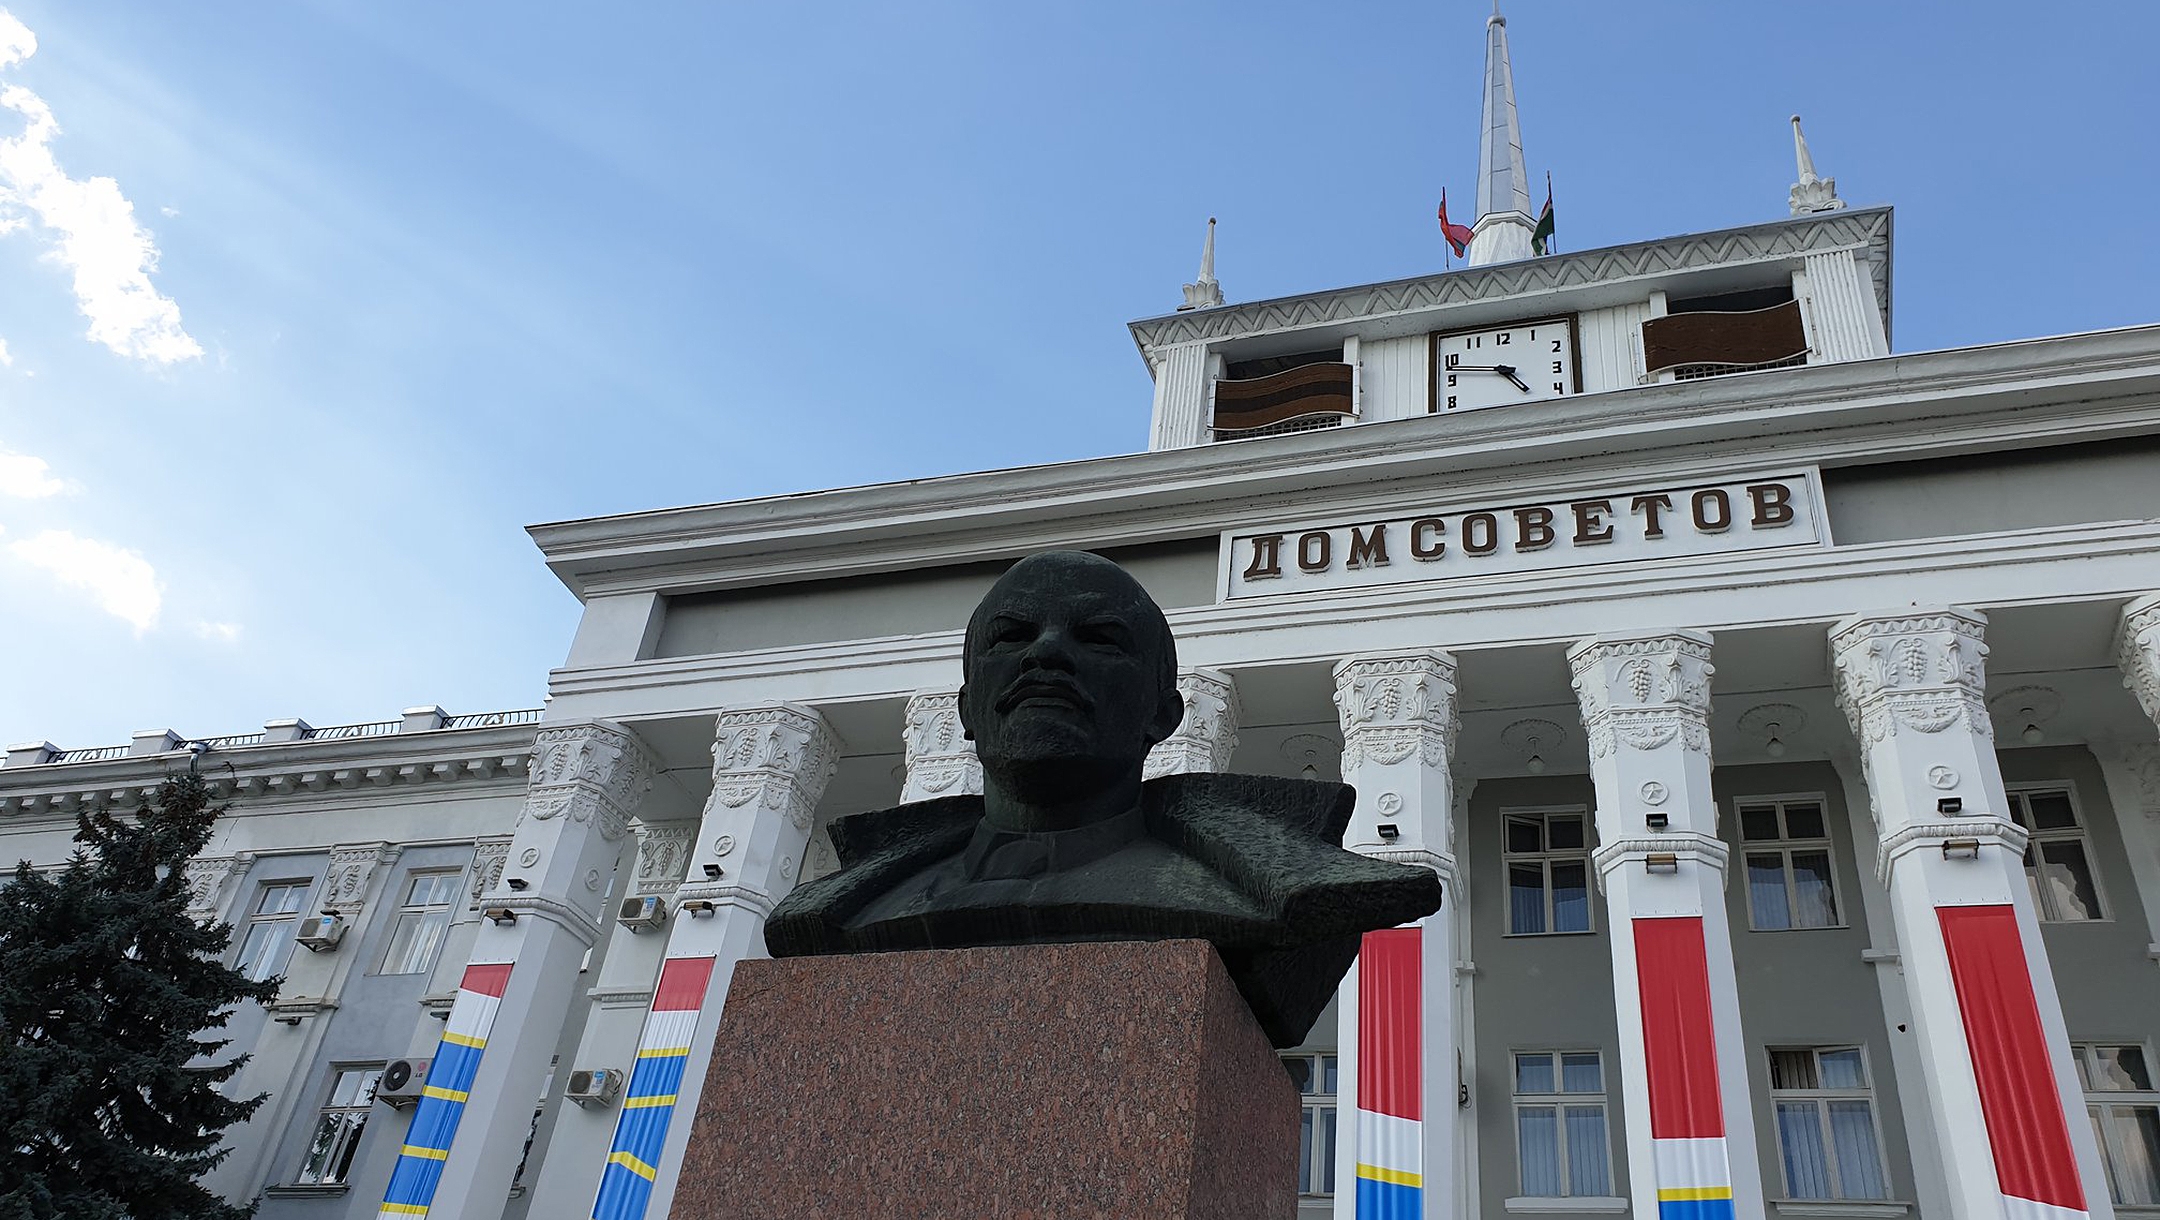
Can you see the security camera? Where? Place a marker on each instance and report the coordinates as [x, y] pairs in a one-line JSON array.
[[712, 871]]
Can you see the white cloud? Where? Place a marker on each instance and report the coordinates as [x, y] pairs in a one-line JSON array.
[[7, 358], [25, 476], [123, 582], [92, 226], [221, 633]]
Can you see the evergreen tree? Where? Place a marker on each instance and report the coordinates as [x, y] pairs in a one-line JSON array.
[[112, 1107]]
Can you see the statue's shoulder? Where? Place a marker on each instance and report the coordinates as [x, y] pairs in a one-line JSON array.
[[862, 836], [877, 850], [1273, 808]]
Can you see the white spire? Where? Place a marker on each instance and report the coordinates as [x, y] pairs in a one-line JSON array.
[[1207, 293], [1504, 223], [1810, 194]]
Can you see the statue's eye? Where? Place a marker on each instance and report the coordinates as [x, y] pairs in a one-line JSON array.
[[1104, 633], [1011, 631]]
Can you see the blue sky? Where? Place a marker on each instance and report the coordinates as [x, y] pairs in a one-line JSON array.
[[375, 285]]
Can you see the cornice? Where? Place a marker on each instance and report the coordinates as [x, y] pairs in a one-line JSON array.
[[1963, 400], [1774, 241], [360, 768]]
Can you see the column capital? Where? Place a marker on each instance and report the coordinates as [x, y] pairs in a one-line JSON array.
[[208, 877], [1644, 690], [2137, 652], [490, 856], [591, 771], [663, 854], [352, 874], [1207, 735], [940, 759], [771, 759], [1922, 669], [1392, 706]]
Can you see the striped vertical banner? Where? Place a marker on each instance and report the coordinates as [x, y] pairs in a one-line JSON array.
[[1687, 1111], [2034, 1166], [626, 1182], [419, 1167], [1390, 1076]]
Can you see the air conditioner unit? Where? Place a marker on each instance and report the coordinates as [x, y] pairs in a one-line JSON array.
[[320, 932], [402, 1082], [594, 1086], [639, 914]]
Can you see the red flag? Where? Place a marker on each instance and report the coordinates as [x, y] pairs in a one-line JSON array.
[[1457, 235]]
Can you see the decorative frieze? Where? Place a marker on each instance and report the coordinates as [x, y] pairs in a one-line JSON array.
[[662, 857], [1392, 708], [2137, 652], [1207, 735], [1644, 693], [352, 873], [587, 773], [489, 857], [940, 759], [1924, 672]]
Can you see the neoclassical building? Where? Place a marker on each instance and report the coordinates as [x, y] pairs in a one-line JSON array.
[[1779, 711]]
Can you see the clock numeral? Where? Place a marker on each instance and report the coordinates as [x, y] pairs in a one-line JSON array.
[[1556, 346], [1453, 359], [1557, 386], [1451, 402], [1451, 381], [1556, 366], [1506, 337], [1477, 341]]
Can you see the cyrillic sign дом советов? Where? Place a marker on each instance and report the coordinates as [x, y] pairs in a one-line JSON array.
[[1775, 511]]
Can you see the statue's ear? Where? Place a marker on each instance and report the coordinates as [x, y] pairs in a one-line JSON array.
[[967, 730], [1169, 713]]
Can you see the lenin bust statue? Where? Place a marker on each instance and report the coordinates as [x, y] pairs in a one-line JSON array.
[[1070, 679]]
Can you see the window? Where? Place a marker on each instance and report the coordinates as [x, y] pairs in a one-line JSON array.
[[1788, 864], [1548, 871], [1560, 1138], [421, 923], [337, 1129], [2058, 863], [268, 940], [2125, 1112], [1315, 1077], [1826, 1123]]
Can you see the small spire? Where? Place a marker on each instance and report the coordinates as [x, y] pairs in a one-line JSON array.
[[1811, 194], [1504, 221], [1207, 293]]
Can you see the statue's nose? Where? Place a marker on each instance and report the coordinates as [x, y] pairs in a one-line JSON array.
[[1051, 649]]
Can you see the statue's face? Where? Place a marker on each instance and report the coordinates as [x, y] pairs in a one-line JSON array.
[[1067, 678]]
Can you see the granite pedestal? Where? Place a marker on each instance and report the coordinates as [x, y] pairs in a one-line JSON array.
[[1034, 1082]]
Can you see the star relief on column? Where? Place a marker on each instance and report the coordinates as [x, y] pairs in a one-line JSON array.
[[591, 772], [1391, 708], [940, 759], [1207, 735], [774, 757], [1644, 692], [1925, 672]]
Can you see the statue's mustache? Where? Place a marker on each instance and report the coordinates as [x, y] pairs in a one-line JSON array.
[[1051, 685]]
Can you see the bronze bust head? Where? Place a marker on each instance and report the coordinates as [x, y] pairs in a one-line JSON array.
[[1070, 679]]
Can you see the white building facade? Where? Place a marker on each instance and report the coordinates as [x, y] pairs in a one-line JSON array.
[[1780, 712]]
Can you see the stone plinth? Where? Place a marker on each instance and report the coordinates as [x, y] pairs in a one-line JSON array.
[[1036, 1082]]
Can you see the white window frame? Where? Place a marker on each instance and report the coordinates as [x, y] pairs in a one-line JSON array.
[[1546, 859], [2097, 1099], [409, 908], [1321, 1162], [1558, 1103], [2081, 834], [352, 1119], [1785, 845], [1821, 1097], [257, 917]]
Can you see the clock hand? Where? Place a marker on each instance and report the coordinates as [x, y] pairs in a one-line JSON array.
[[1508, 371], [1476, 368]]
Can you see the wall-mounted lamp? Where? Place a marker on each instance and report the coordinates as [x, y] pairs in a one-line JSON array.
[[1950, 805], [1961, 849], [1390, 831], [695, 907], [1656, 821], [519, 884], [1661, 862], [287, 1019], [712, 872], [2032, 735], [499, 915]]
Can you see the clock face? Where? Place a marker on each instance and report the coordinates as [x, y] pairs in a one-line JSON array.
[[1500, 365]]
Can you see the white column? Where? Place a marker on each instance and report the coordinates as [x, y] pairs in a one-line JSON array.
[[2002, 1103], [1691, 1132], [1207, 735], [1397, 1124], [465, 1137], [1181, 397], [770, 765], [940, 759]]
